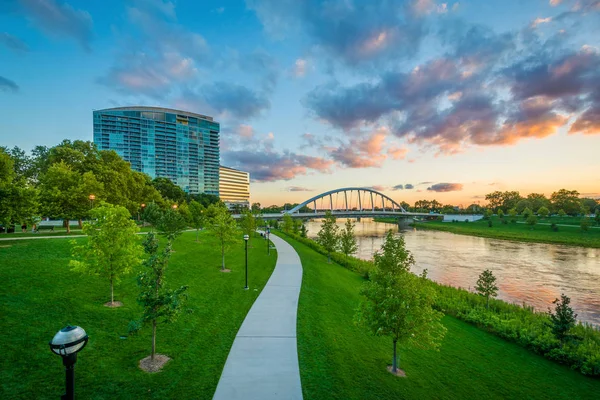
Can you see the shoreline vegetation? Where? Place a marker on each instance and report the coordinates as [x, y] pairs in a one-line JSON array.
[[518, 324], [568, 230]]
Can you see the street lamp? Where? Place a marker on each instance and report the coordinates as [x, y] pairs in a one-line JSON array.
[[142, 206], [246, 237], [67, 343], [92, 198], [174, 206], [268, 244]]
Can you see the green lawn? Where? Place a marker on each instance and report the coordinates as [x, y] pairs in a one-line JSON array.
[[341, 361], [570, 235], [40, 295]]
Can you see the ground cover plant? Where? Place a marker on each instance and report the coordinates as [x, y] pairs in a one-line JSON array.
[[41, 295], [339, 360]]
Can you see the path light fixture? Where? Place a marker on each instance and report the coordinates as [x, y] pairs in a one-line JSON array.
[[268, 243], [142, 207], [67, 343], [174, 206], [92, 197], [246, 237]]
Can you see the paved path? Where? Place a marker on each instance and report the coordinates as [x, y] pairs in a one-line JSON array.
[[263, 361]]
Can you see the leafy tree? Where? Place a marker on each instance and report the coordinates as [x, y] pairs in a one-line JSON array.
[[561, 213], [523, 205], [152, 214], [328, 235], [567, 200], [222, 225], [398, 303], [112, 248], [288, 224], [527, 213], [248, 223], [531, 220], [486, 286], [543, 212], [589, 204], [171, 224], [597, 216], [160, 304], [197, 216], [347, 239], [169, 190], [500, 214], [296, 223], [255, 208], [513, 215], [563, 318], [538, 200], [585, 224], [487, 214], [18, 200], [303, 231]]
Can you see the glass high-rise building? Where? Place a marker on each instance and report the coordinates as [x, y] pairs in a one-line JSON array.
[[161, 142]]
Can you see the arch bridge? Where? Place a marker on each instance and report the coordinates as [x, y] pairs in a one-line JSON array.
[[349, 202]]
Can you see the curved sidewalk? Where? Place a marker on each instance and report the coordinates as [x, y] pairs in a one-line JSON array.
[[263, 361]]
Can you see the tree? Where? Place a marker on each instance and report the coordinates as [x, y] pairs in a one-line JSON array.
[[18, 200], [197, 217], [597, 216], [248, 223], [563, 318], [561, 213], [527, 213], [397, 303], [523, 205], [500, 214], [171, 224], [222, 225], [328, 235], [296, 223], [486, 286], [531, 220], [288, 224], [303, 231], [347, 239], [585, 224], [487, 214], [538, 200], [112, 248], [567, 200], [543, 212], [160, 305], [169, 190], [152, 214]]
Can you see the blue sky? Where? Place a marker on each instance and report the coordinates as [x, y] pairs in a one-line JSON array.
[[453, 98]]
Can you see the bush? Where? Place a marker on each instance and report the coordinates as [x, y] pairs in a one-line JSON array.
[[490, 223], [554, 227]]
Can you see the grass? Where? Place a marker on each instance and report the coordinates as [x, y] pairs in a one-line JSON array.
[[339, 360], [569, 235], [40, 295]]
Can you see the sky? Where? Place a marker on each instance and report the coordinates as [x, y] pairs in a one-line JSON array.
[[419, 99]]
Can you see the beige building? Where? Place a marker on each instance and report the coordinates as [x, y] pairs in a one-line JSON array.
[[234, 187]]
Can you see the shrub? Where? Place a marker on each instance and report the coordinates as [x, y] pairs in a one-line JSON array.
[[554, 227]]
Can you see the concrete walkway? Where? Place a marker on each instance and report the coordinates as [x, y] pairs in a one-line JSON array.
[[263, 361]]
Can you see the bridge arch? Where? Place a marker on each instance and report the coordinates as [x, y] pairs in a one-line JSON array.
[[373, 194]]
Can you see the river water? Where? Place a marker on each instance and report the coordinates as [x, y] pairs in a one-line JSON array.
[[534, 273]]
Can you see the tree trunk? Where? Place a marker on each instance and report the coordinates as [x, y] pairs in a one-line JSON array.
[[197, 232], [112, 292], [222, 257], [153, 339], [394, 361], [80, 223], [68, 226]]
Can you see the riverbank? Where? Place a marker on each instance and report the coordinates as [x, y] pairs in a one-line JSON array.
[[41, 295], [340, 360], [541, 233]]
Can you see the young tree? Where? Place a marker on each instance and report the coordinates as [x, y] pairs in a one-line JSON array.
[[112, 248], [561, 213], [171, 224], [585, 224], [248, 223], [152, 215], [543, 212], [531, 220], [288, 224], [347, 239], [328, 235], [563, 318], [513, 215], [296, 223], [303, 231], [160, 304], [398, 303], [487, 214], [223, 226], [597, 216], [486, 286], [500, 213], [527, 213], [197, 217]]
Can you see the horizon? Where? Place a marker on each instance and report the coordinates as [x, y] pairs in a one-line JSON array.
[[456, 99]]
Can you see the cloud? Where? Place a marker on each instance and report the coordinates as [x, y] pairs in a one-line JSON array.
[[539, 21], [356, 33], [299, 69], [233, 99], [398, 187], [273, 166], [246, 131], [60, 20], [377, 188], [424, 183], [446, 187], [362, 152], [297, 189], [6, 85], [409, 186], [554, 3], [423, 7], [13, 43], [260, 64], [397, 153]]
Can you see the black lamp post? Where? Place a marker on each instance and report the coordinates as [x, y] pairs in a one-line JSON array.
[[67, 343], [246, 237], [268, 244]]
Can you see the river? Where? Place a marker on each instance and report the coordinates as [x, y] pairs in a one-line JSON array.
[[534, 273]]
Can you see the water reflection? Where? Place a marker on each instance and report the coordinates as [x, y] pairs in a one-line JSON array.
[[533, 273]]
